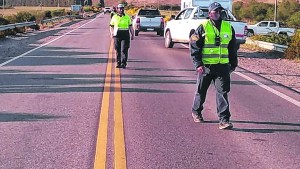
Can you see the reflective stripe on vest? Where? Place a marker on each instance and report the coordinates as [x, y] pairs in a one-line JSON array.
[[212, 54]]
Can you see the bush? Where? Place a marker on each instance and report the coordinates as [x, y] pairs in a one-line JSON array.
[[24, 17], [132, 11], [11, 18], [87, 9], [273, 38], [294, 20], [3, 21], [39, 16], [95, 9], [293, 51], [48, 15], [58, 12]]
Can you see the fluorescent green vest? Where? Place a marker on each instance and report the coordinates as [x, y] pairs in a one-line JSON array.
[[212, 54], [122, 23]]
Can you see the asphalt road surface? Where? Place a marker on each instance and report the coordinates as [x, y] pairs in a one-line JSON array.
[[65, 105]]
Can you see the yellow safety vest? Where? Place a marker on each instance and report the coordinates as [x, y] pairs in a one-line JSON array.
[[121, 22], [212, 54]]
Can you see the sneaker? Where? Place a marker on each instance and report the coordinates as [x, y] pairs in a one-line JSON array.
[[123, 65], [197, 118], [225, 125], [118, 66]]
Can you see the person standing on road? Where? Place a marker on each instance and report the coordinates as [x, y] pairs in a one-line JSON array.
[[214, 54], [113, 12], [120, 25]]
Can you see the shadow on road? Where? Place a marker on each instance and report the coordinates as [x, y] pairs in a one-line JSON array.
[[262, 130], [17, 117]]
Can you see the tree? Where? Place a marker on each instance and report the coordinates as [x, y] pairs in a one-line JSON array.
[[123, 2], [287, 8], [237, 9], [294, 20]]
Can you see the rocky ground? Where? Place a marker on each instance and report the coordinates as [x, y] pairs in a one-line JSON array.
[[262, 62], [270, 65]]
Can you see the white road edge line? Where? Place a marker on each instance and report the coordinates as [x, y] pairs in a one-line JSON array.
[[4, 63], [287, 98], [295, 102]]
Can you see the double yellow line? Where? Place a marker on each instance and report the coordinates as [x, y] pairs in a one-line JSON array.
[[119, 141]]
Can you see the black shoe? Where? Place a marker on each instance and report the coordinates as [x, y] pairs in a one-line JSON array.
[[197, 118], [123, 65], [119, 66]]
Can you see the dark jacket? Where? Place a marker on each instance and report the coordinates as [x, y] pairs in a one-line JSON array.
[[197, 43]]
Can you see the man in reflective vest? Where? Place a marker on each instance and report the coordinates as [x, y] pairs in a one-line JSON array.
[[120, 25], [213, 51]]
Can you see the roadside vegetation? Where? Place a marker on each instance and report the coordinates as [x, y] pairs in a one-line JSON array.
[[36, 14], [288, 12]]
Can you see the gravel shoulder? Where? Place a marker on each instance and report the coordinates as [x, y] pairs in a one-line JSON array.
[[270, 65], [267, 64]]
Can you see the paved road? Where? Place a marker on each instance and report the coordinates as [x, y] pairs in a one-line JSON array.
[[64, 105]]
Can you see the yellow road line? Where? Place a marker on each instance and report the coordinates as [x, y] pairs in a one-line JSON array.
[[100, 155], [119, 140]]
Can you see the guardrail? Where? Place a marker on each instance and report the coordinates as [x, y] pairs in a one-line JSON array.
[[24, 24], [57, 19], [17, 25], [267, 45]]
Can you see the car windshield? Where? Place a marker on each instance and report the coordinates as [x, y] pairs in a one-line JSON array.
[[149, 12], [202, 13]]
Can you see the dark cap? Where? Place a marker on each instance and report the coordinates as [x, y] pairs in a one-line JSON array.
[[214, 6]]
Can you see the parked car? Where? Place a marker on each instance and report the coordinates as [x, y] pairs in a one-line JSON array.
[[268, 27], [148, 20], [181, 27], [107, 9]]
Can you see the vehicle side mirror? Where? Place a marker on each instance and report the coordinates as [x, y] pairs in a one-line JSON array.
[[172, 16]]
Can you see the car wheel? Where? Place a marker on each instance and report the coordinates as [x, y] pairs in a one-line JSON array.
[[136, 33], [168, 40]]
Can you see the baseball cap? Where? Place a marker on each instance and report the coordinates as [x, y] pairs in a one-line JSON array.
[[121, 6], [214, 6]]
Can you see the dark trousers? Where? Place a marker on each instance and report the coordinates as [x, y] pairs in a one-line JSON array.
[[220, 75], [122, 45]]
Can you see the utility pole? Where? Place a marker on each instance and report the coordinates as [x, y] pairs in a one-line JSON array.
[[275, 11]]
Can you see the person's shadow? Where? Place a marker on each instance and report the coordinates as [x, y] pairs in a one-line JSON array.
[[262, 130]]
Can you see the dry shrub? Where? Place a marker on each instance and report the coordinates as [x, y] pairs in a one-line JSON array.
[[293, 51]]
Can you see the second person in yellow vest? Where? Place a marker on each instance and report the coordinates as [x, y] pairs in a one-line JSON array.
[[214, 54], [120, 26]]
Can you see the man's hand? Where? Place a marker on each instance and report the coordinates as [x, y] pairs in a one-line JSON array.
[[200, 69]]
